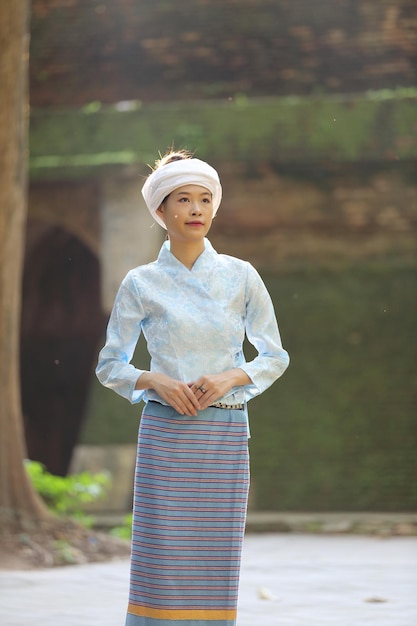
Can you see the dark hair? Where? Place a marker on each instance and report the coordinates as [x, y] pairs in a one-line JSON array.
[[173, 155]]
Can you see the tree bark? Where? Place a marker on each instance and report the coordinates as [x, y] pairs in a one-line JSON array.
[[19, 503]]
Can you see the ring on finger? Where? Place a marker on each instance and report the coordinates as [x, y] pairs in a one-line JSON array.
[[202, 389]]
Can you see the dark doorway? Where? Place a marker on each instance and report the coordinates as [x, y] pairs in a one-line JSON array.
[[62, 323]]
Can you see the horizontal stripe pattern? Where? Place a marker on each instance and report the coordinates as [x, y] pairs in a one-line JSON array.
[[189, 510]]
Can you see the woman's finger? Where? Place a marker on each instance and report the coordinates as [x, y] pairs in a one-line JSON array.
[[188, 401], [208, 400], [200, 389]]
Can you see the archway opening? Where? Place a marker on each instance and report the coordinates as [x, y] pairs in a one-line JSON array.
[[62, 323]]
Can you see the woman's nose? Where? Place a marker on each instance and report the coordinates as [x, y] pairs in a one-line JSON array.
[[195, 208]]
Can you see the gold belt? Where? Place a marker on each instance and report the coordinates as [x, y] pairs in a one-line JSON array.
[[232, 407]]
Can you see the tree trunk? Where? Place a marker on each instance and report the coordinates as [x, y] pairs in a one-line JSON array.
[[19, 503]]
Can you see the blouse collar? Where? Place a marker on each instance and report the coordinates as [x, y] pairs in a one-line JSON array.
[[204, 262]]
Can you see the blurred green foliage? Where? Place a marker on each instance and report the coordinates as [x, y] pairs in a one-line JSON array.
[[125, 530], [67, 495]]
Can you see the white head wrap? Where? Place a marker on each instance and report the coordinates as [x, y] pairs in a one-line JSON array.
[[177, 174]]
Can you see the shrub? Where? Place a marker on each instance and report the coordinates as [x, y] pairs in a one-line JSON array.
[[124, 531], [67, 495]]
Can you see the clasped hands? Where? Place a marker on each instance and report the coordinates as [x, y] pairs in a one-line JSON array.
[[189, 398]]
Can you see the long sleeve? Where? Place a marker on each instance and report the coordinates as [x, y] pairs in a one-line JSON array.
[[263, 333], [114, 369], [194, 322]]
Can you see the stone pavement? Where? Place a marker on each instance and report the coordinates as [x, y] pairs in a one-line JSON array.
[[287, 580]]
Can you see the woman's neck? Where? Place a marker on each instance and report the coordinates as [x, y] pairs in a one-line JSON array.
[[187, 253]]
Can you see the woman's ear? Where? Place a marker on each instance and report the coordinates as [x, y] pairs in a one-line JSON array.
[[160, 211]]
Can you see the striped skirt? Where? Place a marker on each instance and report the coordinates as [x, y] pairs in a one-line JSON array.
[[189, 511]]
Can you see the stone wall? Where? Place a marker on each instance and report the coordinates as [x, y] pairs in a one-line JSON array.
[[320, 194], [283, 219], [73, 206], [157, 50]]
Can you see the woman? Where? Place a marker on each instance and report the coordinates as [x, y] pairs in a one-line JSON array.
[[194, 307]]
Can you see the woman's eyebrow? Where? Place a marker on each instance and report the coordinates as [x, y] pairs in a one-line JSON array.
[[188, 193]]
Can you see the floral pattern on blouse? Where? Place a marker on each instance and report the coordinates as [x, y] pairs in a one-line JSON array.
[[194, 322]]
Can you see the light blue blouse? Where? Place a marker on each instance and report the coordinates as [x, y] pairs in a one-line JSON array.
[[194, 322]]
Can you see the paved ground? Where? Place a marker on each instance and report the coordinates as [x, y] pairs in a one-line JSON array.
[[306, 580]]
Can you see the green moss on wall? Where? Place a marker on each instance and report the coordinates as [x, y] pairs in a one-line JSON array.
[[339, 429], [379, 126], [111, 419]]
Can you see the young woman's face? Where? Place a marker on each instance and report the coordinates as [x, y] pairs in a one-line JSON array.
[[187, 213]]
